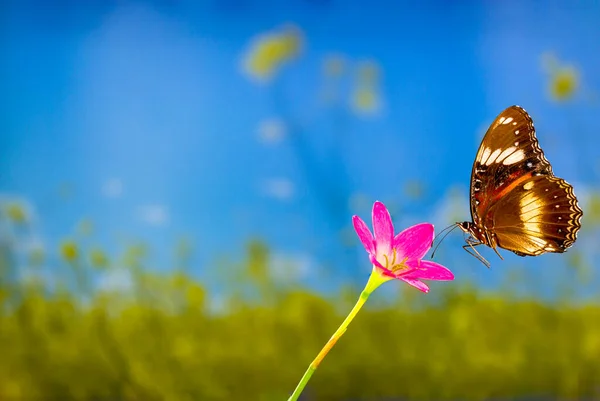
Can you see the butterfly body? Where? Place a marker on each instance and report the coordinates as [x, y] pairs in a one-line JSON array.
[[516, 201]]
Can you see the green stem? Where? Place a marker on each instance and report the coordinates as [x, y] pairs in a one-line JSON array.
[[375, 280]]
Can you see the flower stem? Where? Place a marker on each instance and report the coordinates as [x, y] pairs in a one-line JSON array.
[[375, 280]]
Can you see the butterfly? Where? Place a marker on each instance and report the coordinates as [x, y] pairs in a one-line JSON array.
[[516, 201]]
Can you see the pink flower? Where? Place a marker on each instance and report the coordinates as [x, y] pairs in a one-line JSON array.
[[400, 256]]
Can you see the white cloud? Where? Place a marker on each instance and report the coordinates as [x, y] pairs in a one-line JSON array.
[[156, 215], [271, 130], [278, 188], [112, 188]]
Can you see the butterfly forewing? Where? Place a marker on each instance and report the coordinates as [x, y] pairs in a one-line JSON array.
[[508, 150], [516, 201]]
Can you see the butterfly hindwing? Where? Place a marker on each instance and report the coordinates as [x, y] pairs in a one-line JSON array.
[[540, 215]]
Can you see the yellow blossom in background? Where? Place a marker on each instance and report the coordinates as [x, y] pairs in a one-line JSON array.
[[365, 100], [69, 251], [366, 96], [564, 83], [563, 80], [98, 258], [268, 52], [16, 212]]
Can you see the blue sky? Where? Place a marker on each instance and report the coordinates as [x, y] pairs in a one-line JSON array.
[[149, 99]]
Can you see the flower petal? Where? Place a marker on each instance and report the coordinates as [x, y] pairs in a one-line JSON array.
[[414, 242], [383, 229], [383, 270], [416, 283], [426, 270], [364, 234]]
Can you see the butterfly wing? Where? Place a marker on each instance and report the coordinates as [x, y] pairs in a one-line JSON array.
[[540, 215], [509, 171]]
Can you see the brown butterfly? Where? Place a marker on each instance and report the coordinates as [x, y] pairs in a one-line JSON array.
[[516, 201]]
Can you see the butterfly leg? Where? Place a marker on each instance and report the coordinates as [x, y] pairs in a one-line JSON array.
[[470, 248], [497, 253], [492, 243]]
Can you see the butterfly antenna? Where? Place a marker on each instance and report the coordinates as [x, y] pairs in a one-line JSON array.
[[451, 228]]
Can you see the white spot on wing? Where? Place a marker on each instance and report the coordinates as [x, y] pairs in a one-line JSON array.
[[514, 158], [493, 157], [507, 121], [528, 186], [506, 153], [485, 155]]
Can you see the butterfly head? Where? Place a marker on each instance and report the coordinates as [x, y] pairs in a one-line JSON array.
[[477, 233], [466, 226]]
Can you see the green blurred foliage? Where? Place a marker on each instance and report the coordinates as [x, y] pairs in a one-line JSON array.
[[161, 336]]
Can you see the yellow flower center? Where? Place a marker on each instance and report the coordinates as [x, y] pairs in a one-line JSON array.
[[393, 265]]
